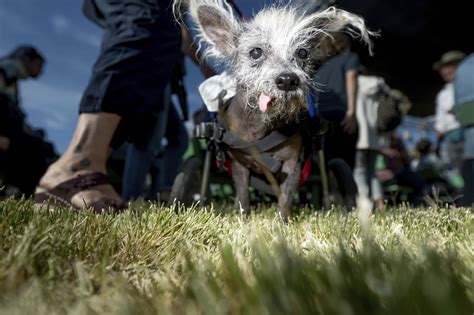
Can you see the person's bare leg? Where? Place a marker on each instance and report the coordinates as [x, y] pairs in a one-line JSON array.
[[87, 152]]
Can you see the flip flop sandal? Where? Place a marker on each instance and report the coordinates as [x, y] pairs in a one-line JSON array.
[[62, 194]]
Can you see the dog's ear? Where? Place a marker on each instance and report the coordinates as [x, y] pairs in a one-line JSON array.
[[332, 20], [217, 26]]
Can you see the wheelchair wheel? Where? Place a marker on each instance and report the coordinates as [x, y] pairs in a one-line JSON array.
[[186, 186], [342, 186]]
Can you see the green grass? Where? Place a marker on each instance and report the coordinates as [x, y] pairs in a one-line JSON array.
[[152, 261]]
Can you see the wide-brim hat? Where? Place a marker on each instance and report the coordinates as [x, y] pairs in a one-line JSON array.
[[450, 57]]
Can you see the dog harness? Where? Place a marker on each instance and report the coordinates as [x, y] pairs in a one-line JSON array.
[[226, 139]]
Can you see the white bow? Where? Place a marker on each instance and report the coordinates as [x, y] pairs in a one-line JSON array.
[[213, 86]]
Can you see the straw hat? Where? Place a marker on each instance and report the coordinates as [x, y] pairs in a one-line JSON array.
[[450, 57]]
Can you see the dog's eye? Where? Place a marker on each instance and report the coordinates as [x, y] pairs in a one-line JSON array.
[[303, 53], [256, 53]]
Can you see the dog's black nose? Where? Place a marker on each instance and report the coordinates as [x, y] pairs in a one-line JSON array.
[[287, 81]]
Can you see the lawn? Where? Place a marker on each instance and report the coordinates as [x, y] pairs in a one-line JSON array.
[[212, 261]]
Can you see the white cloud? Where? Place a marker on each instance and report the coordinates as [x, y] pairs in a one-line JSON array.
[[60, 24]]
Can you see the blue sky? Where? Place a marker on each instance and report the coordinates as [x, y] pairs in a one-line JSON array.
[[71, 44]]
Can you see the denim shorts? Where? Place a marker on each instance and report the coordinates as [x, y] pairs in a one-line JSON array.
[[140, 48]]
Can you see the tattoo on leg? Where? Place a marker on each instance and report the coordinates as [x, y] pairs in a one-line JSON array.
[[83, 137], [85, 163], [82, 165]]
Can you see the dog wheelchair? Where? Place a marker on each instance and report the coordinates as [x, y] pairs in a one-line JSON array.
[[204, 175]]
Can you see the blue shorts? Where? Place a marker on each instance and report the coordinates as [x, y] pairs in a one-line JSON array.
[[140, 48]]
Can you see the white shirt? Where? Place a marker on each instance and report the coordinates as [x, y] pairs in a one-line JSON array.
[[444, 119], [366, 112]]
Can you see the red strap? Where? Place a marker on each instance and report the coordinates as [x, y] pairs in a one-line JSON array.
[[227, 166], [305, 171]]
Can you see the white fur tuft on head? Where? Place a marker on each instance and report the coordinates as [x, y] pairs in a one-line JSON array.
[[218, 27], [334, 20]]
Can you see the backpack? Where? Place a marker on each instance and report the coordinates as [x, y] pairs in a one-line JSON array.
[[389, 115]]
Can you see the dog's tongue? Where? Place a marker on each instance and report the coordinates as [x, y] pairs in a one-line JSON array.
[[263, 102]]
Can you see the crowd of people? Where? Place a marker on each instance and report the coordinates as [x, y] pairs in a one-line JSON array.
[[433, 167], [128, 100]]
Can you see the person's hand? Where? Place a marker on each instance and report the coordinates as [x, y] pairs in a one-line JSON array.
[[4, 143], [349, 123]]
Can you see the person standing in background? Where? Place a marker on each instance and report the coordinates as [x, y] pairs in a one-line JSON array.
[[24, 153], [22, 63], [369, 139], [336, 98], [450, 146], [162, 163]]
